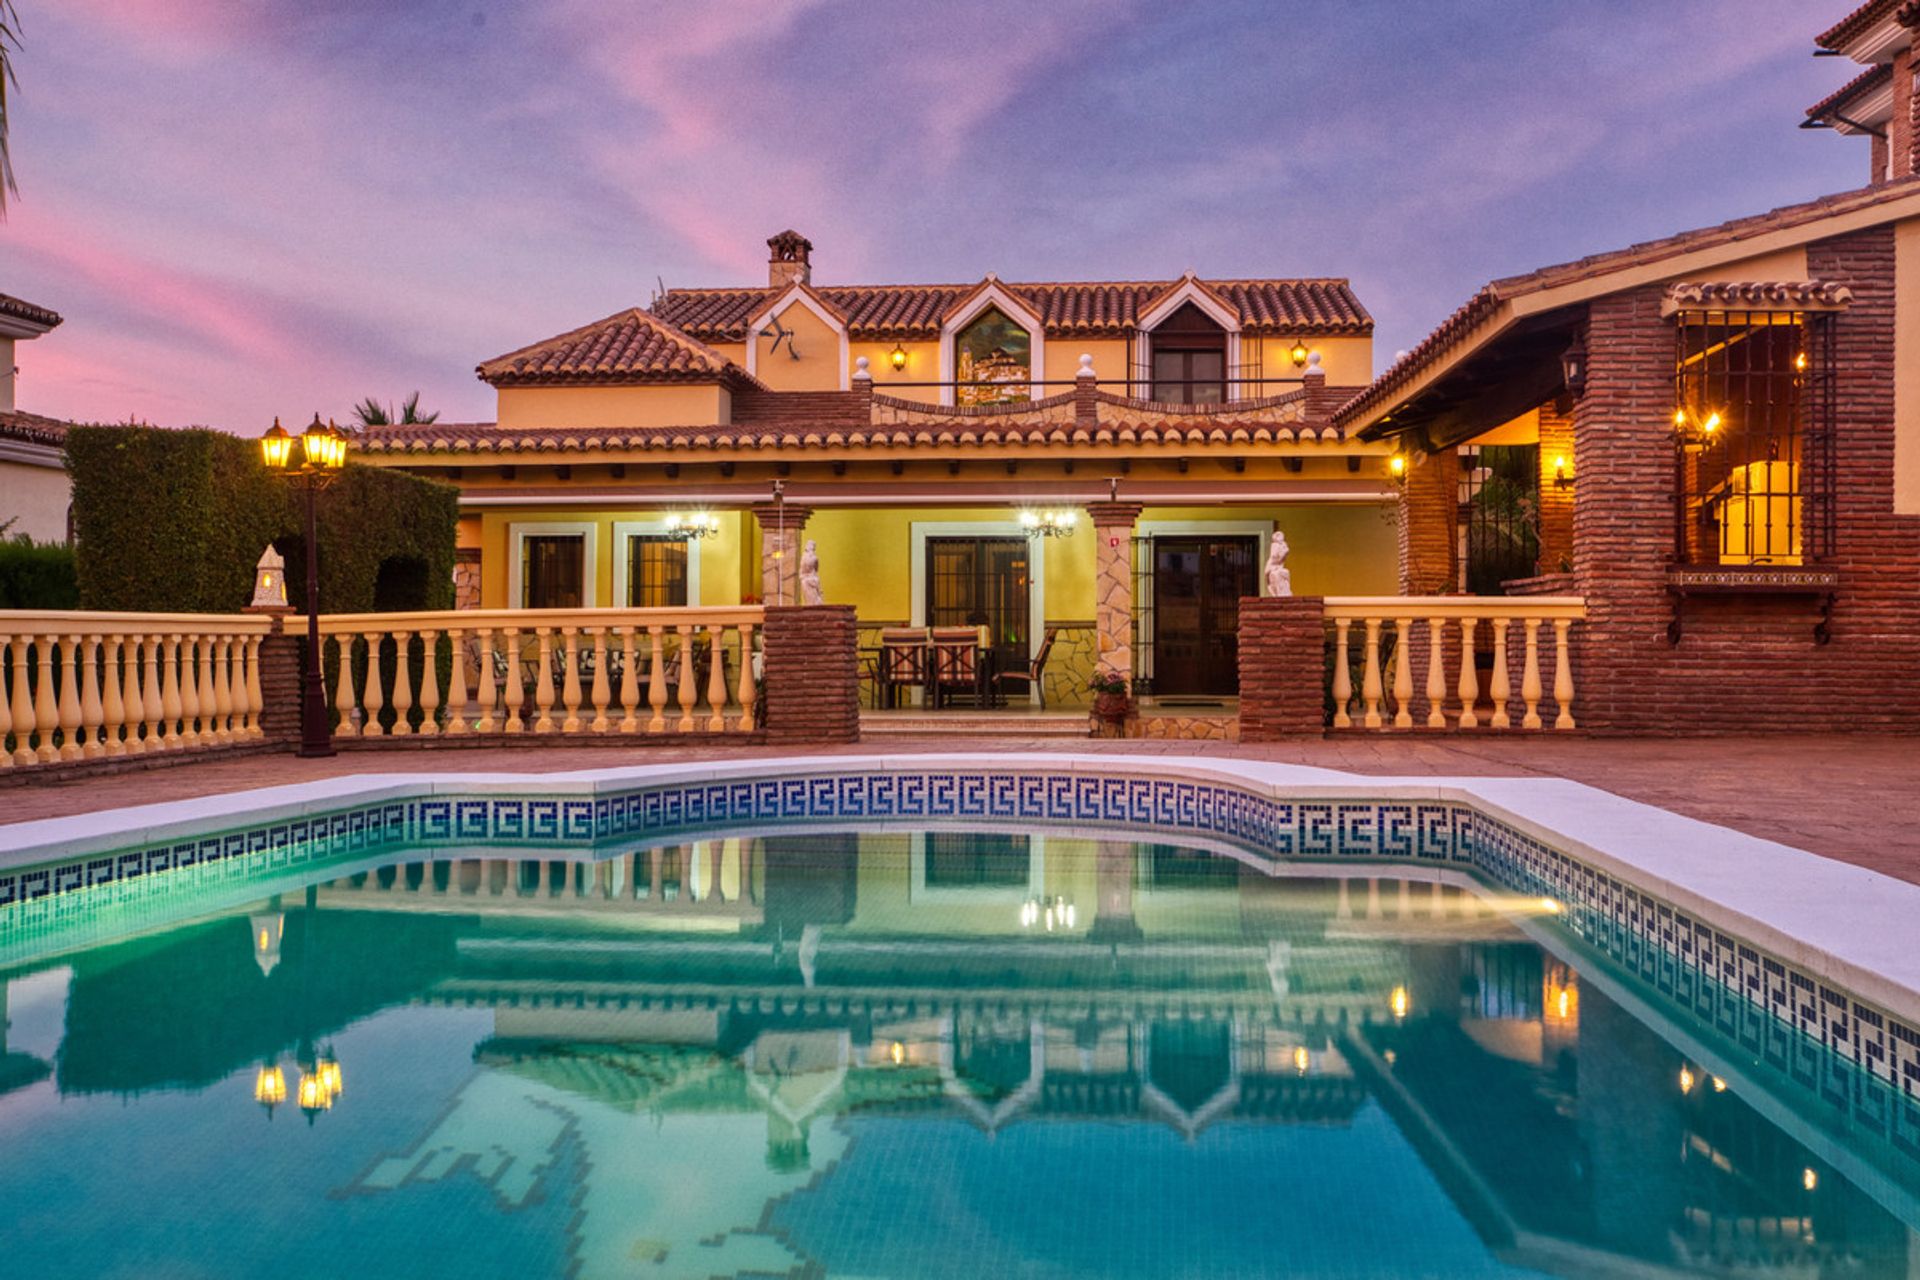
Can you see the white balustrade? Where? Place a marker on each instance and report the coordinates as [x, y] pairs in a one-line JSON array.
[[1423, 624], [574, 673], [87, 686]]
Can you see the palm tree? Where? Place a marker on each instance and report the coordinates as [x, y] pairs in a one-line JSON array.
[[9, 40], [374, 414]]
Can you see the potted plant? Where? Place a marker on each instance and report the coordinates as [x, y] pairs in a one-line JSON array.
[[1110, 700]]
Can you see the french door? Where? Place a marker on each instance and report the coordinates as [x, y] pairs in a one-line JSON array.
[[983, 582], [1197, 585]]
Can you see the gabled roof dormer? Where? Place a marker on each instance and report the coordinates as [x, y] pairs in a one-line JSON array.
[[631, 346], [1190, 288], [824, 309], [991, 293]]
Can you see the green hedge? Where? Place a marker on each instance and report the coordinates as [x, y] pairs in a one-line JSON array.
[[175, 521], [37, 575]]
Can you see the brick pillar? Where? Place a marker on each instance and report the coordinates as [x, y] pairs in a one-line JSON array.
[[1086, 392], [1320, 402], [1429, 524], [466, 578], [812, 689], [1556, 502], [781, 526], [1113, 585], [1878, 152], [280, 677], [1283, 665], [1902, 144]]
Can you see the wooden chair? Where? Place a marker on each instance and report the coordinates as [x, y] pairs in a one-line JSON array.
[[1030, 675], [903, 662], [957, 666]]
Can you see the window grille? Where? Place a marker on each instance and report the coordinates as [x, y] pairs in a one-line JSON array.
[[552, 571], [656, 571], [1753, 426], [1501, 517]]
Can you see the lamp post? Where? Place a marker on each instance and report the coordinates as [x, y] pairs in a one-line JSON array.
[[322, 452]]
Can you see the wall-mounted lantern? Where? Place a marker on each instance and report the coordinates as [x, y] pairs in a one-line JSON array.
[[897, 357], [1298, 354]]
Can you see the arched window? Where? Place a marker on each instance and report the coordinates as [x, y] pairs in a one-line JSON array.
[[992, 360]]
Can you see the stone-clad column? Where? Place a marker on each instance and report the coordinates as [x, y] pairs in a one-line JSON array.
[[781, 526], [1113, 585]]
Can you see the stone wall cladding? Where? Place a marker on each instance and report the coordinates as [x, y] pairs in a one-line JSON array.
[[1428, 527], [466, 578], [1282, 668], [812, 689], [1744, 664]]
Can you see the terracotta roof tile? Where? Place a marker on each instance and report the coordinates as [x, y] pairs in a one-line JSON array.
[[1458, 326], [21, 309], [1759, 295], [1856, 23], [627, 345], [1087, 308], [33, 428], [1864, 83]]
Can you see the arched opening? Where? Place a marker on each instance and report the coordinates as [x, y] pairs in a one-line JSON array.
[[992, 360], [1189, 358]]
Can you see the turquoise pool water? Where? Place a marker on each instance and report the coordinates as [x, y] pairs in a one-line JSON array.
[[896, 1054]]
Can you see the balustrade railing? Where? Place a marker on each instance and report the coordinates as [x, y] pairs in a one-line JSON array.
[[544, 671], [83, 686], [1442, 637]]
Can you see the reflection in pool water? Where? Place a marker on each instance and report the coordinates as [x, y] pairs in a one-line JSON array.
[[897, 1054]]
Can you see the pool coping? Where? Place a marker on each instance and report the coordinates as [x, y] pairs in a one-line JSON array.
[[1844, 924]]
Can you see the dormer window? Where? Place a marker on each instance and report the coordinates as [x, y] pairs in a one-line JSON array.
[[993, 360], [1189, 358]]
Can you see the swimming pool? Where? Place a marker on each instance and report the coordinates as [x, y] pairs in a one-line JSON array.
[[861, 1020]]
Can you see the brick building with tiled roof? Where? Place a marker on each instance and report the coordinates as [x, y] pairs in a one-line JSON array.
[[1882, 102], [911, 431]]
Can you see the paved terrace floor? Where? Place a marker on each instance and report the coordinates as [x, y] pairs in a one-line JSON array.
[[1854, 798]]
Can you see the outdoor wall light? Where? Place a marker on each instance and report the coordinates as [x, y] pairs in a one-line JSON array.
[[1049, 524], [897, 357], [1562, 475], [270, 1087], [1298, 354], [1573, 368], [1397, 468], [694, 524]]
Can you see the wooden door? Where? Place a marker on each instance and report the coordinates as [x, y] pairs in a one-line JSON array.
[[1197, 585]]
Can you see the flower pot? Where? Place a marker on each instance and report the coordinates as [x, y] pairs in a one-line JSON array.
[[1112, 707]]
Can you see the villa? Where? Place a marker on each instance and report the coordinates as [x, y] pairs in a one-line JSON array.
[[1158, 433], [33, 477]]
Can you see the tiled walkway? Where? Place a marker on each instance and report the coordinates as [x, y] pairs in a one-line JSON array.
[[1852, 798]]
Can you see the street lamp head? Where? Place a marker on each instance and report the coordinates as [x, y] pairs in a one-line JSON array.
[[276, 447], [323, 445]]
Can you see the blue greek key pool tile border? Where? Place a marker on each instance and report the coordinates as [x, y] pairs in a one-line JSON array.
[[1746, 995]]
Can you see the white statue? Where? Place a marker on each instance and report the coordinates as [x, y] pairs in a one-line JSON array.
[[810, 575], [1279, 578]]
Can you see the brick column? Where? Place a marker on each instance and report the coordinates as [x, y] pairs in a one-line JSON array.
[[1283, 668], [1086, 394], [1429, 524], [1902, 143], [1556, 503], [1113, 585], [812, 689], [280, 668], [781, 526]]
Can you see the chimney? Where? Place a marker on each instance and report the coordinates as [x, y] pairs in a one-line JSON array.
[[788, 260]]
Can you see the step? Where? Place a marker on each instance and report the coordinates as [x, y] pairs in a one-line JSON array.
[[974, 726]]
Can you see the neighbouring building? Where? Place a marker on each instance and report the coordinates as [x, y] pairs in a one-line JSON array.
[[1714, 439], [33, 473], [1099, 463], [1882, 102]]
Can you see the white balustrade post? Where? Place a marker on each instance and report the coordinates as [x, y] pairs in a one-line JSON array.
[[1500, 689], [113, 669], [688, 694], [189, 691], [1342, 675], [543, 687], [237, 686], [1370, 692], [70, 698], [430, 683], [1469, 675], [1403, 673], [93, 712], [222, 690], [457, 683], [402, 684], [343, 686], [22, 704], [6, 707], [153, 709], [256, 700], [749, 688], [1530, 677], [1436, 674], [208, 735], [570, 688], [483, 647], [1562, 673], [374, 699], [602, 682], [516, 682], [716, 679], [629, 681], [657, 680]]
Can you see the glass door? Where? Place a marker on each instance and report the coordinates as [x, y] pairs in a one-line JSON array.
[[983, 582], [1197, 585]]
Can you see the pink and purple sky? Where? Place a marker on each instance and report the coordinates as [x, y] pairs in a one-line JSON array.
[[256, 207]]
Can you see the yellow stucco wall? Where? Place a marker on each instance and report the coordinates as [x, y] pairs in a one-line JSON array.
[[1348, 361], [818, 367], [721, 557], [923, 365], [671, 405], [1336, 550], [1906, 368], [1063, 361], [1786, 264], [865, 559]]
